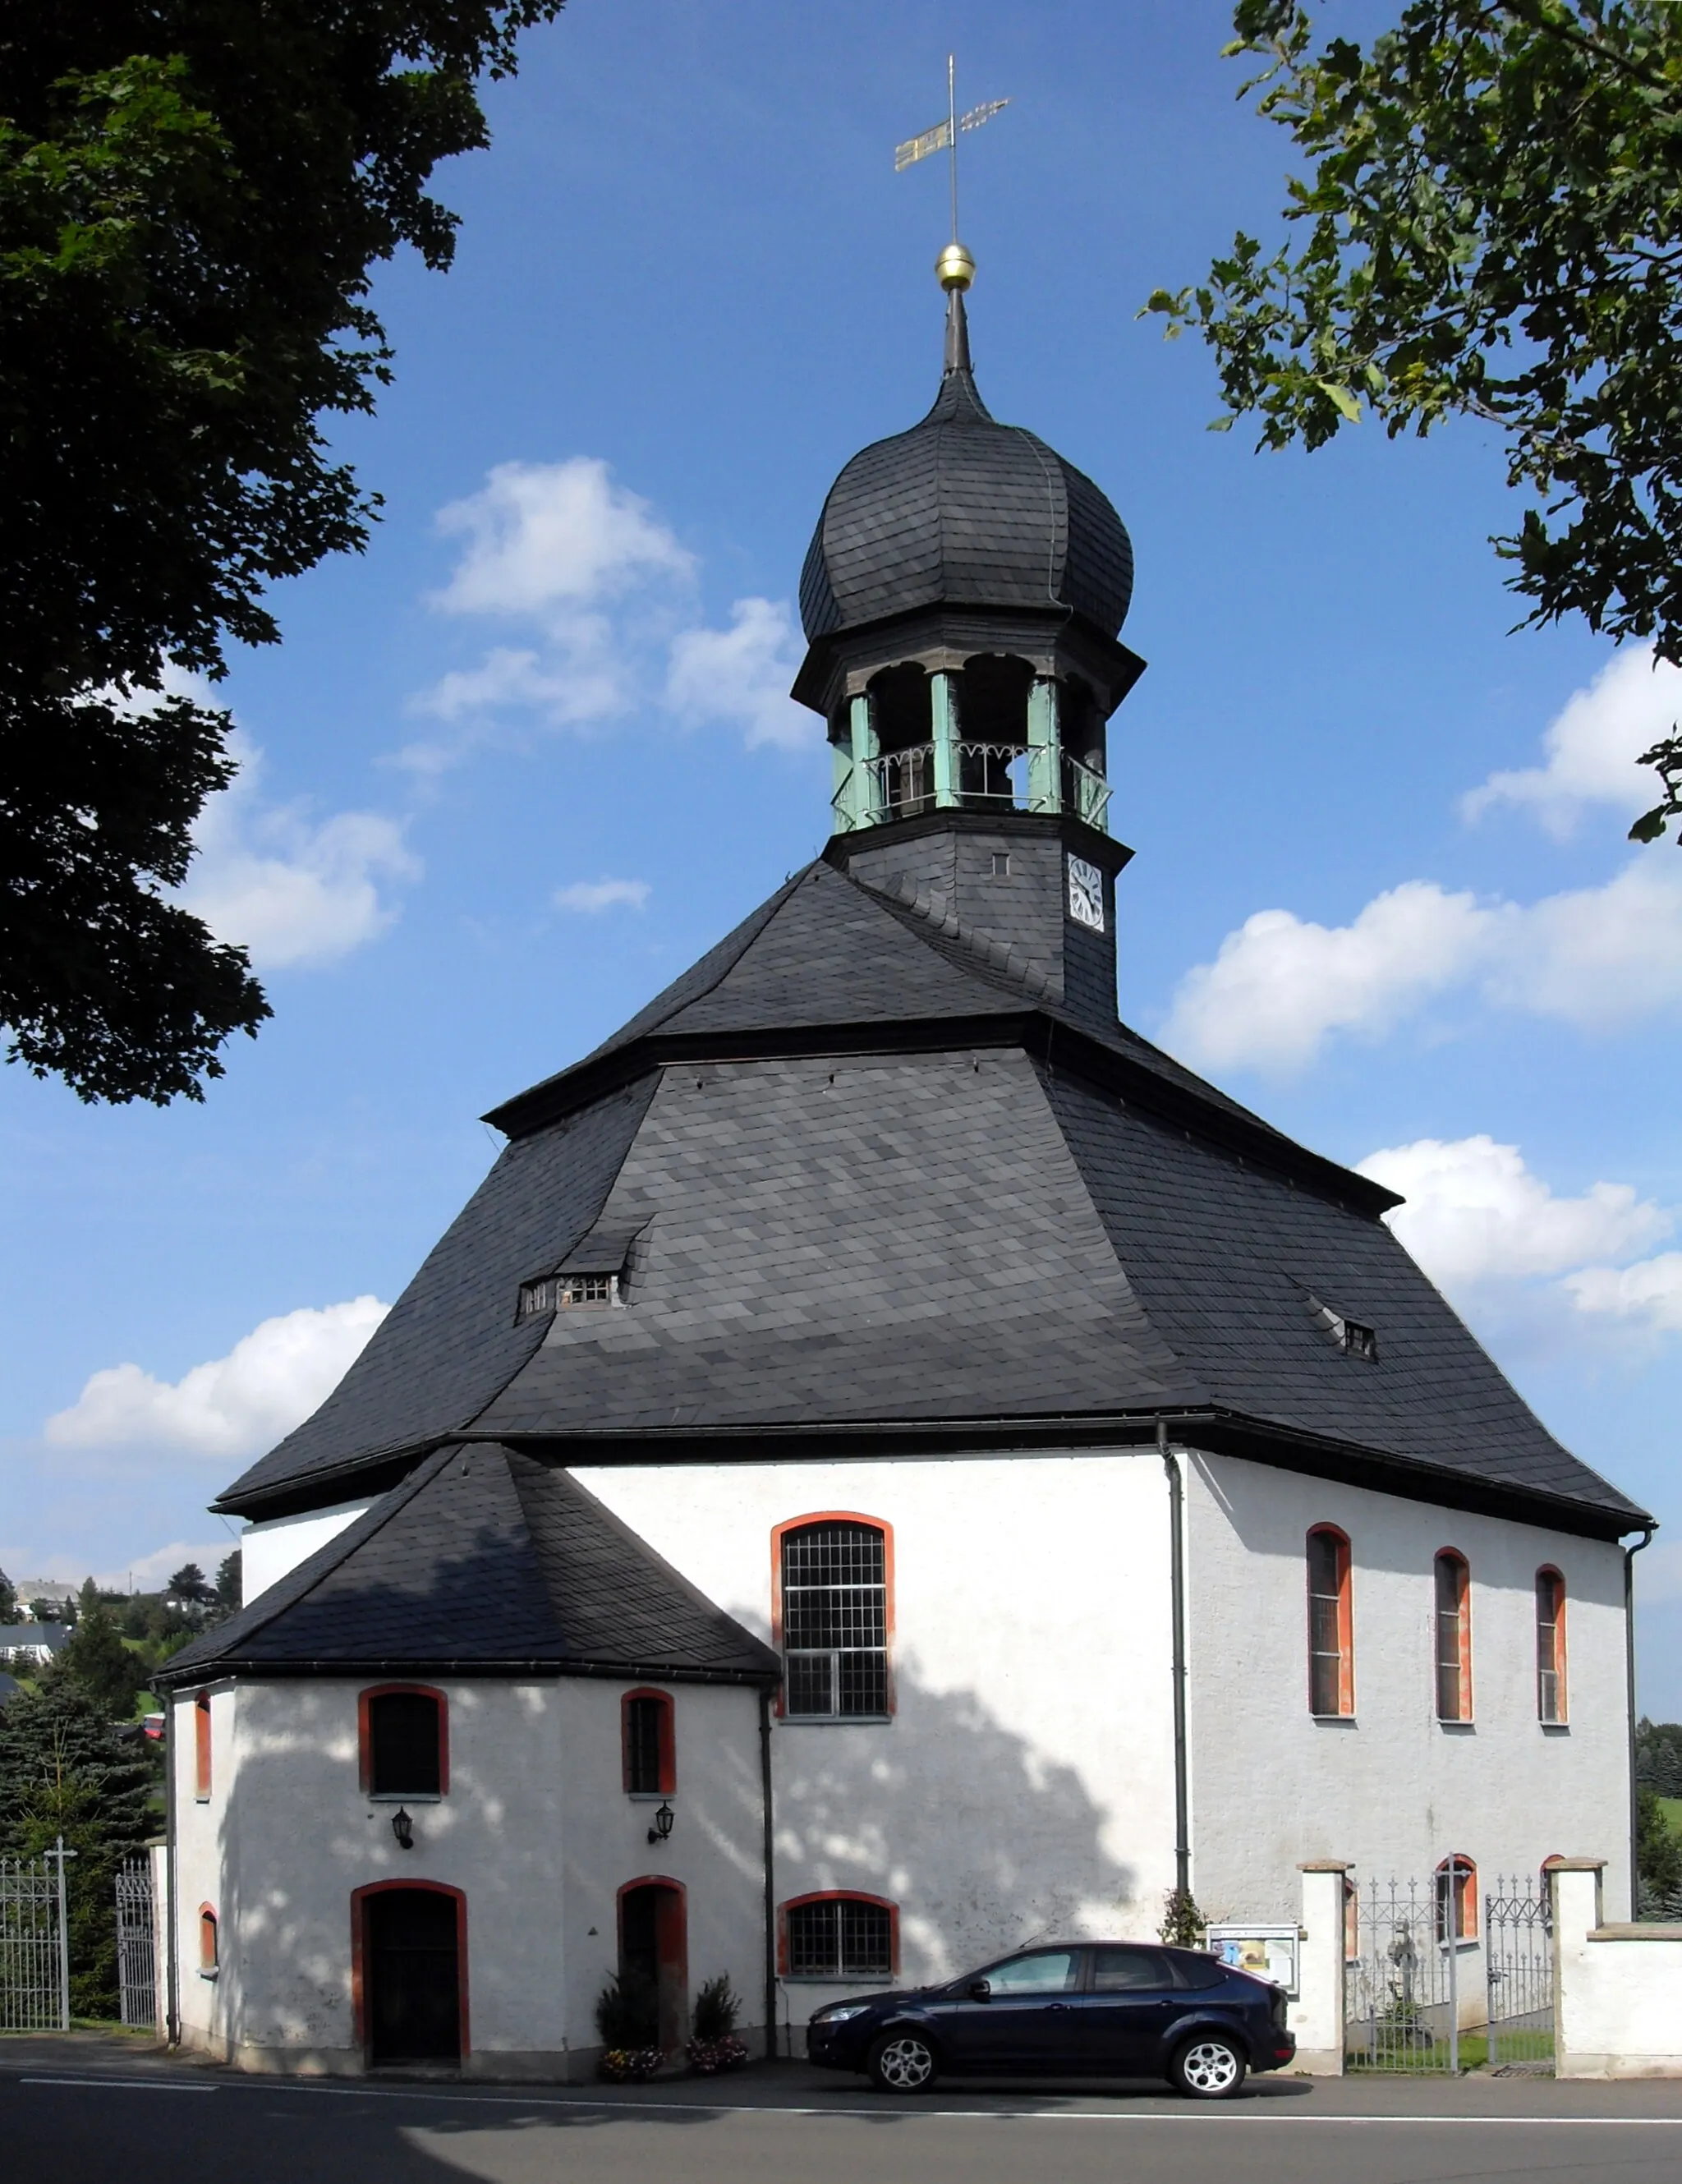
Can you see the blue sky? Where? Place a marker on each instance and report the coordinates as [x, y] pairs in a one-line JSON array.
[[519, 763]]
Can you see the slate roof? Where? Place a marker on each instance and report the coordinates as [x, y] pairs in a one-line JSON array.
[[876, 1184], [483, 1560], [964, 511]]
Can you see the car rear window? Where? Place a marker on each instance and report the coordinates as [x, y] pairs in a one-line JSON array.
[[1114, 1971], [1194, 1969]]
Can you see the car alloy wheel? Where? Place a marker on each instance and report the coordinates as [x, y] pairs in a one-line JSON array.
[[1208, 2069], [902, 2063]]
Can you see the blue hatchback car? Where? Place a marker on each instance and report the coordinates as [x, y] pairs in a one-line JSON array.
[[1110, 2009]]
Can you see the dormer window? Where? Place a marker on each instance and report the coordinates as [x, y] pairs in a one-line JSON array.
[[568, 1293], [1352, 1336]]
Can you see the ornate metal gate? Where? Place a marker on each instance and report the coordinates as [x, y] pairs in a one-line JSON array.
[[136, 1945], [34, 1965], [1518, 1965], [1402, 1998]]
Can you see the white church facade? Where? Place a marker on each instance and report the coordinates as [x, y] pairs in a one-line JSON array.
[[888, 1467]]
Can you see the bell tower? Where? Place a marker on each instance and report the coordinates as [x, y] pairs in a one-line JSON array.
[[962, 600]]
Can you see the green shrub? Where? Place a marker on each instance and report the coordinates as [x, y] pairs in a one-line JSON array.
[[627, 2013], [717, 2007]]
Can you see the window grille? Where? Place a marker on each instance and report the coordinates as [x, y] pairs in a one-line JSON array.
[[565, 1292], [1549, 1646], [404, 1745], [1352, 1336], [1454, 1651], [648, 1741], [835, 1620], [838, 1937], [1456, 1894], [1330, 1670]]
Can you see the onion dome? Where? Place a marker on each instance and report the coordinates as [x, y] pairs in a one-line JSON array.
[[964, 511]]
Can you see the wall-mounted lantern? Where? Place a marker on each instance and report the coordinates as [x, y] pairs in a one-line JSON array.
[[404, 1829], [664, 1816]]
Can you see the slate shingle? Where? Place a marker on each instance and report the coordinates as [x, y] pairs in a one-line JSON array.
[[483, 1559]]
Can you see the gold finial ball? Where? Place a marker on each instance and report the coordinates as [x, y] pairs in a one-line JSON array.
[[955, 268]]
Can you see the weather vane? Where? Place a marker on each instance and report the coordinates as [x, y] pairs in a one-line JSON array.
[[955, 261]]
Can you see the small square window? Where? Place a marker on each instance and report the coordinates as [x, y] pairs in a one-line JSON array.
[[1001, 864]]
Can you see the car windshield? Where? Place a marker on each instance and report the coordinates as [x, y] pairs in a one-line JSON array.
[[1048, 1971]]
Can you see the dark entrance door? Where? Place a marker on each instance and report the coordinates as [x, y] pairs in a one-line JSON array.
[[411, 1966], [654, 1956]]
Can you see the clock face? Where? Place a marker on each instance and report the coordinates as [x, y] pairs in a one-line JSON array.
[[1086, 894]]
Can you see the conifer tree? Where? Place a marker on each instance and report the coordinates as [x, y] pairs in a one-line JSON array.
[[66, 1770], [97, 1658]]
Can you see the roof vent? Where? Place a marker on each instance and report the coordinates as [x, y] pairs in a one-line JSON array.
[[1352, 1336]]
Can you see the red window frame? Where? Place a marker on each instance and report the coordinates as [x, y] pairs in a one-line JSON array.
[[1346, 1622], [358, 1997], [1554, 1579], [209, 1939], [668, 1740], [835, 1517], [840, 1896], [1466, 1895], [201, 1746], [364, 1734], [1452, 1558]]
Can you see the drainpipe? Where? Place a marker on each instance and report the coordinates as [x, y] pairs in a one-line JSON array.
[[1629, 1555], [172, 2014], [1176, 1592], [769, 1879]]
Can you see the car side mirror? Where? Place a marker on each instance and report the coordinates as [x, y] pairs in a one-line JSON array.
[[980, 1990]]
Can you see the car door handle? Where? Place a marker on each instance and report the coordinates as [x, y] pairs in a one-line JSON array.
[[1057, 2005]]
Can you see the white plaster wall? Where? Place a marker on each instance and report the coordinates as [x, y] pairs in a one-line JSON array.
[[268, 1551], [288, 1835], [1394, 1790], [1025, 1786], [1618, 1990]]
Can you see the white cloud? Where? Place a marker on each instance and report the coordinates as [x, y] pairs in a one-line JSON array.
[[150, 1572], [1281, 985], [544, 535], [1475, 1214], [1592, 746], [291, 889], [593, 896], [1648, 1293], [741, 676], [235, 1405]]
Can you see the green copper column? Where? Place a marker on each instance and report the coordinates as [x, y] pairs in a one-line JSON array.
[[943, 705], [841, 787], [862, 784], [1044, 747]]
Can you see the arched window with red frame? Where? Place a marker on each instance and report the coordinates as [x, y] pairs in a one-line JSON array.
[[403, 1733], [838, 1934], [1331, 1624], [201, 1746], [1551, 1693], [1457, 1893], [649, 1743], [209, 1949], [1453, 1625], [833, 1615]]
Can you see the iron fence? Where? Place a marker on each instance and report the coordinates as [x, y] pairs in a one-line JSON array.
[[35, 1969], [1518, 1968], [136, 1943], [1402, 2003]]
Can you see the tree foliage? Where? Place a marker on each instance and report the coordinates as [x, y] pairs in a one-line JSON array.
[[1493, 228], [65, 1770], [192, 194], [97, 1657]]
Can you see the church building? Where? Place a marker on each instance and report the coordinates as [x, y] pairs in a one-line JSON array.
[[889, 1466]]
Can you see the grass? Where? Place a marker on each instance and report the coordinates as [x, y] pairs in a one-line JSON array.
[[1672, 1809]]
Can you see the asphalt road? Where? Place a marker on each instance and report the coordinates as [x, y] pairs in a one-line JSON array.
[[92, 2114]]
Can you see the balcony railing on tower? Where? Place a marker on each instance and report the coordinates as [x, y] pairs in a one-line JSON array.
[[989, 777]]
